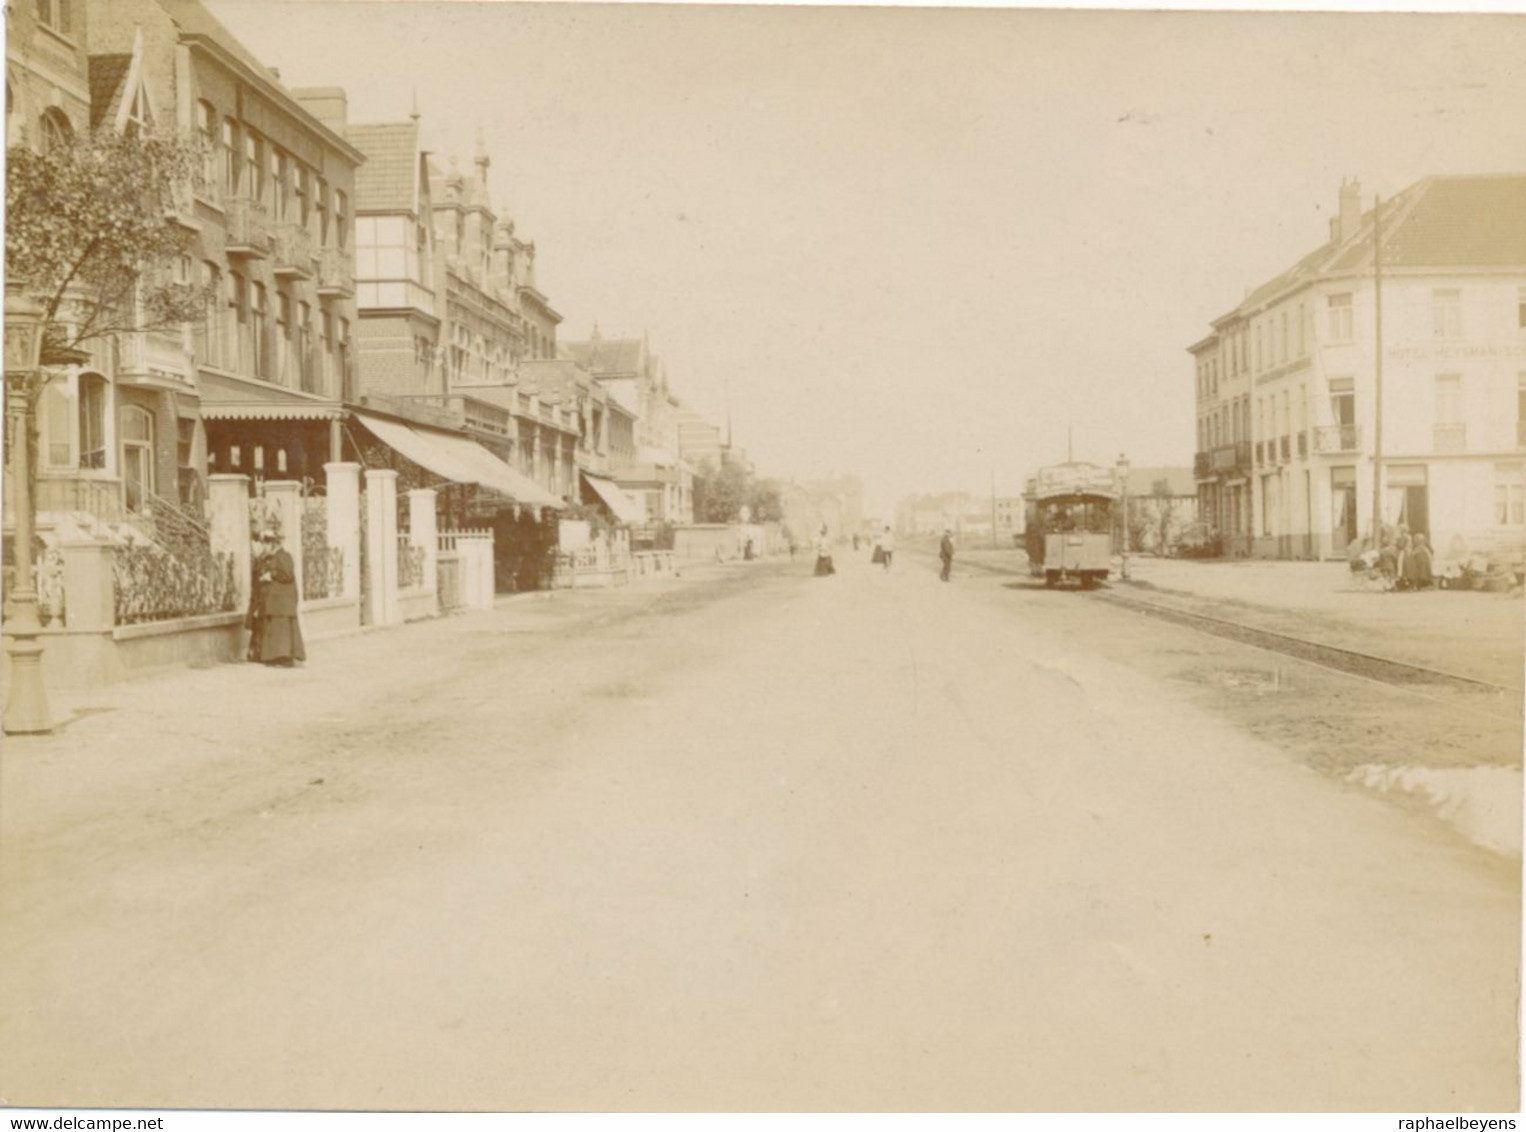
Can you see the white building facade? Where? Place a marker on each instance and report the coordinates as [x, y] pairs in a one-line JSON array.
[[1287, 382]]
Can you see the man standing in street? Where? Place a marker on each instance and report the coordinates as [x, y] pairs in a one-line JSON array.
[[946, 553]]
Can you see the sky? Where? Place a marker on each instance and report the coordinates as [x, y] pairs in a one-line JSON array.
[[923, 246]]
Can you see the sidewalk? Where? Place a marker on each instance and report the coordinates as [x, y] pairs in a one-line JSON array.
[[1471, 633]]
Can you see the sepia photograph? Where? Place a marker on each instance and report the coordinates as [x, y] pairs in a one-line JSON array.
[[567, 557]]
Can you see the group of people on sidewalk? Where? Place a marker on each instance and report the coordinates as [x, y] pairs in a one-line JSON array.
[[884, 552], [1404, 561]]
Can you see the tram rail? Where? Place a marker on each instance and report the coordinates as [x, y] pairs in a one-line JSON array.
[[1400, 674]]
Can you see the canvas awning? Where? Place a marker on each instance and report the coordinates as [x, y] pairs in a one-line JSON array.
[[622, 505], [459, 460]]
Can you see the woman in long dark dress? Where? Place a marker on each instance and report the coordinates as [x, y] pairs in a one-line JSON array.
[[279, 635], [1418, 571]]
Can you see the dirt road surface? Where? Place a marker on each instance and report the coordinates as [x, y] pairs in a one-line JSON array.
[[757, 841]]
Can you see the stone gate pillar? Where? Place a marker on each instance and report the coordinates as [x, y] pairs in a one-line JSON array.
[[344, 520], [381, 545], [228, 512]]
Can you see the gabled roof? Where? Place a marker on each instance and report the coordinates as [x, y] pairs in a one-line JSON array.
[[607, 355], [1477, 221], [389, 180], [195, 22], [108, 84], [1441, 222]]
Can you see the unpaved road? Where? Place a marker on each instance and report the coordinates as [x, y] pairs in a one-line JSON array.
[[755, 842]]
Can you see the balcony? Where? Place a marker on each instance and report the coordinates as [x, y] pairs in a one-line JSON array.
[[153, 359], [248, 229], [336, 274], [1228, 459], [293, 252], [1450, 437], [1337, 438]]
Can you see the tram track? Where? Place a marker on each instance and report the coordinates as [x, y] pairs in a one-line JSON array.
[[1416, 679]]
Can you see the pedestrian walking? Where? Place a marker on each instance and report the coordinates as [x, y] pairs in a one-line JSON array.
[[276, 637], [887, 545], [946, 554], [824, 554]]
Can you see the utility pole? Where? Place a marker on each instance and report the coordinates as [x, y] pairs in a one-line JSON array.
[[1377, 381]]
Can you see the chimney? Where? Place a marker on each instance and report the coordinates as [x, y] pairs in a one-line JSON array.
[[329, 104], [1348, 219]]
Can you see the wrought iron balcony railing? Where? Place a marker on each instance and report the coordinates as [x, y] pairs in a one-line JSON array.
[[1337, 438], [248, 229]]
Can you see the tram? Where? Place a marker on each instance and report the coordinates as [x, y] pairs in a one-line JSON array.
[[1069, 512]]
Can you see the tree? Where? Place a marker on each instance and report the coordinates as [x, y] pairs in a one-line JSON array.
[[90, 236], [719, 493], [1165, 516]]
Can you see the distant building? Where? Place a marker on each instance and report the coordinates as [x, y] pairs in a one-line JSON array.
[[1286, 381]]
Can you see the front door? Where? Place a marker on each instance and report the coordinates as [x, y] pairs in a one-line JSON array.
[[1342, 509]]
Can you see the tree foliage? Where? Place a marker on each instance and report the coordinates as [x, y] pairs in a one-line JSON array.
[[721, 493], [90, 234]]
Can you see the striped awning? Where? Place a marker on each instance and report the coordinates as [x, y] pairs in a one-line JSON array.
[[458, 459], [617, 501]]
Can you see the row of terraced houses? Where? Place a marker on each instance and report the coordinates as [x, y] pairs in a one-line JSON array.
[[370, 309], [368, 303], [1287, 382]]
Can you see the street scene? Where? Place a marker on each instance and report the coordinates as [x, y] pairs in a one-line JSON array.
[[811, 562]]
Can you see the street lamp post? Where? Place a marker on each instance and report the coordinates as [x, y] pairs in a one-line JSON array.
[[26, 703]]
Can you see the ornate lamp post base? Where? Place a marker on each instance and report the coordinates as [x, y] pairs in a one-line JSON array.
[[26, 707]]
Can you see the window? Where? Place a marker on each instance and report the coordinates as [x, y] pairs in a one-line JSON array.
[[1520, 309], [232, 161], [280, 168], [1449, 399], [345, 377], [211, 346], [254, 166], [56, 14], [206, 135], [305, 358], [302, 199], [1303, 329], [326, 341], [1508, 496], [241, 355], [1340, 318], [1282, 341], [1446, 314], [259, 322], [56, 132], [341, 219], [92, 420], [137, 456], [285, 371], [321, 207]]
